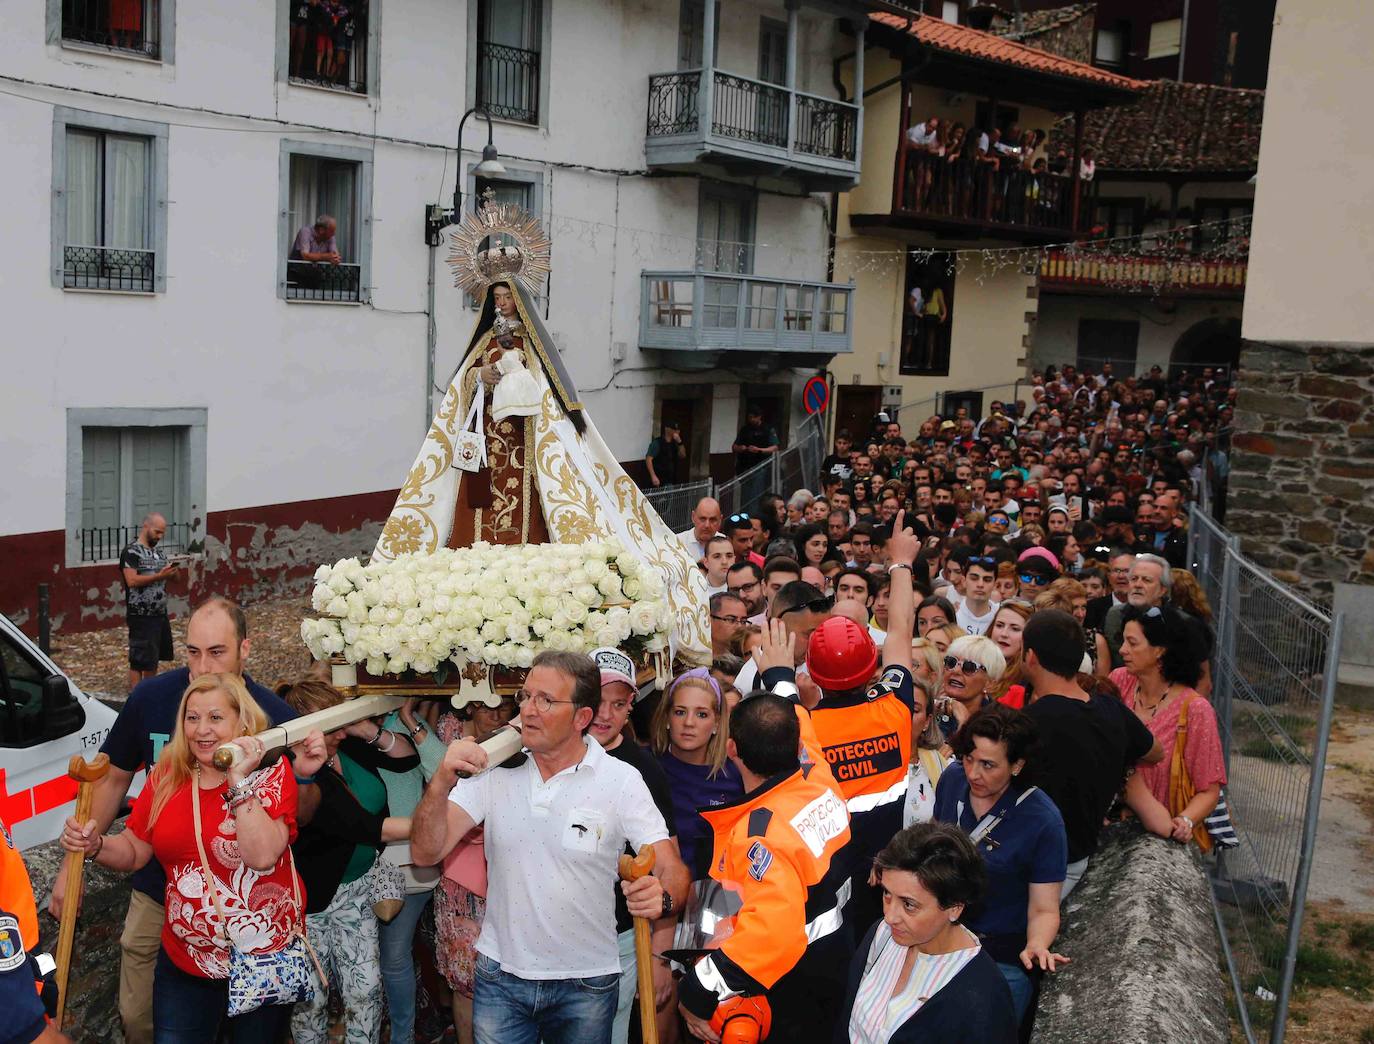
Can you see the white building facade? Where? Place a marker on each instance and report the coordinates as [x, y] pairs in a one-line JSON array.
[[166, 354]]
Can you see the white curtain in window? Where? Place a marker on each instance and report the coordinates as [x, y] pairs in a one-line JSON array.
[[338, 191], [127, 187], [83, 188], [303, 195]]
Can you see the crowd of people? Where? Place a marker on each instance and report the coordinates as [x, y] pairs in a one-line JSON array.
[[932, 685], [993, 173], [324, 33]]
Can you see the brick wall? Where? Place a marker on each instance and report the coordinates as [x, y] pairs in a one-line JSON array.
[[1301, 494]]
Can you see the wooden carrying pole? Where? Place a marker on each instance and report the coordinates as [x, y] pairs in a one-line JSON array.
[[86, 774], [632, 868]]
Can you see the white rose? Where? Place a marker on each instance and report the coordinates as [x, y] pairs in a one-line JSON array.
[[337, 607], [396, 665], [576, 612], [643, 618], [349, 630], [596, 570], [631, 588], [339, 583], [557, 641], [424, 664], [651, 584], [587, 594], [517, 633], [627, 564], [607, 636], [332, 643], [560, 621], [322, 574], [320, 597], [609, 586], [524, 657], [490, 653], [425, 631], [394, 616], [442, 603], [376, 665], [541, 628]]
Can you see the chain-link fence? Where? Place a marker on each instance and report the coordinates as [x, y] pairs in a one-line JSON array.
[[796, 467], [1274, 682], [674, 504]]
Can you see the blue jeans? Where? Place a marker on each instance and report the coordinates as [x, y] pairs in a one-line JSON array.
[[1022, 989], [507, 1009], [398, 966], [190, 1010]]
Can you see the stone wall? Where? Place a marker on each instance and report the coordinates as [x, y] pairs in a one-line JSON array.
[[1145, 961], [1301, 494]]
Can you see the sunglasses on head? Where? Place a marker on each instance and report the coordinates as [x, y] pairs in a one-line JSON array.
[[987, 560], [816, 605], [967, 666], [740, 517]]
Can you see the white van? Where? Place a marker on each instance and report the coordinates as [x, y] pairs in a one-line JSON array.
[[44, 720]]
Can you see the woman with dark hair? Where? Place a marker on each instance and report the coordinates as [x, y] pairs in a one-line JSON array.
[[812, 544], [920, 974], [1162, 664], [1021, 836], [933, 611]]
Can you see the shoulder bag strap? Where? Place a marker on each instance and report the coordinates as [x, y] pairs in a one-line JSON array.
[[204, 862], [989, 822]]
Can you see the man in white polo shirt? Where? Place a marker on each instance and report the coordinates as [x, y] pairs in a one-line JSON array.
[[548, 965]]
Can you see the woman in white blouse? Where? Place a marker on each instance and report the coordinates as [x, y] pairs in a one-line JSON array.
[[919, 974]]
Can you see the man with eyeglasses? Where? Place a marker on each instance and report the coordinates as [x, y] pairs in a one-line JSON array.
[[728, 615], [976, 608], [1148, 585], [548, 962], [1119, 564], [745, 581]]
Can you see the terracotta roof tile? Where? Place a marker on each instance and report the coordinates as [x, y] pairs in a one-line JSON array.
[[1183, 127], [973, 43]]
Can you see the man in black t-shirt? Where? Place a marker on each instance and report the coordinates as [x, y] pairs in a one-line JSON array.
[[618, 690], [1088, 743], [666, 458], [838, 465], [755, 441], [144, 568]]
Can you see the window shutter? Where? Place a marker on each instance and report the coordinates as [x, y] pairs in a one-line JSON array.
[[153, 473], [99, 477]]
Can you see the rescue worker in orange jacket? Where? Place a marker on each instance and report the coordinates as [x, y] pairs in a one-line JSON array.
[[780, 850], [863, 721], [27, 996]]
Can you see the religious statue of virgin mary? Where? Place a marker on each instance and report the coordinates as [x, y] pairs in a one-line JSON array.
[[511, 456]]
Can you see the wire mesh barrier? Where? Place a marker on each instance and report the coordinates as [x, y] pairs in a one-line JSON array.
[[796, 467], [674, 504], [1274, 682]]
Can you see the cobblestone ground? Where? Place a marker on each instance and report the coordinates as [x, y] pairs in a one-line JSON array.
[[98, 660]]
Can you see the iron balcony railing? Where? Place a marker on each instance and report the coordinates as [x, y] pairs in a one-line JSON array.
[[713, 311], [104, 543], [108, 268], [508, 82], [318, 281], [120, 25], [341, 64], [826, 127], [750, 119], [1094, 270], [965, 190]]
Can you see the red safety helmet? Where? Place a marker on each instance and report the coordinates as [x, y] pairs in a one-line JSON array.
[[743, 1020], [841, 655]]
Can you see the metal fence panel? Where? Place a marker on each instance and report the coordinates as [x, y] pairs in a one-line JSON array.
[[796, 467], [1274, 682], [674, 504]]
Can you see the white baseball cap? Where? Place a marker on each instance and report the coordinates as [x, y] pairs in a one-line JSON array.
[[615, 666]]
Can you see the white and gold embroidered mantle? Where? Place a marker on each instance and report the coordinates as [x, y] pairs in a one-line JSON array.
[[584, 493]]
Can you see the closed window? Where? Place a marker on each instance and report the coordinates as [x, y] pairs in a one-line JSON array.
[[325, 227], [109, 202], [1111, 48], [690, 33], [949, 11], [127, 474], [1166, 38], [509, 54]]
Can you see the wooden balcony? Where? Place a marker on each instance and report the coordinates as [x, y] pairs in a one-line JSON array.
[[1093, 272], [972, 199], [756, 128], [708, 318]]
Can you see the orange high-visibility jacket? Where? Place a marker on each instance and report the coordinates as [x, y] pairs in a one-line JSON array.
[[778, 849]]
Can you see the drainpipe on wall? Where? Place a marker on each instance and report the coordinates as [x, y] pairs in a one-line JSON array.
[[431, 338]]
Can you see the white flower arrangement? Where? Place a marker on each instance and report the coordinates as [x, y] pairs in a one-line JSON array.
[[491, 604]]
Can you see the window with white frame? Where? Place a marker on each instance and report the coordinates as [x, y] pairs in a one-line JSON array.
[[510, 58], [1110, 51], [325, 223], [109, 203]]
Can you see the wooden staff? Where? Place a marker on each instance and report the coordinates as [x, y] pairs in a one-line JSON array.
[[632, 868], [86, 774]]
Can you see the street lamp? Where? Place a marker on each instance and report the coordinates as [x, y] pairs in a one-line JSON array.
[[436, 217]]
